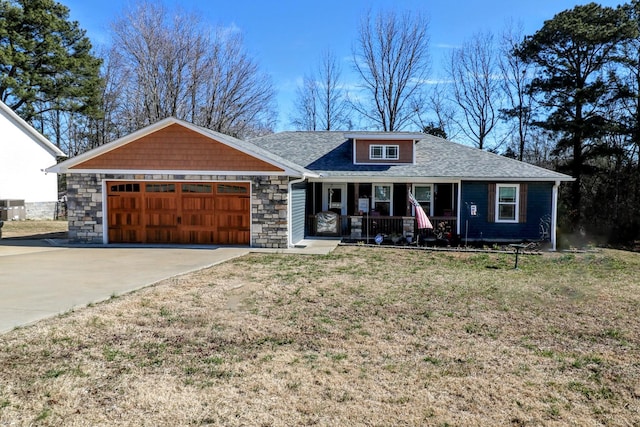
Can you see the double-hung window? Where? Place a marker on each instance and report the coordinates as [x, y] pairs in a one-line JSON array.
[[382, 199], [423, 195], [384, 152], [507, 197]]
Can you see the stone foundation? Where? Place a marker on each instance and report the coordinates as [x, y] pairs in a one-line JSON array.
[[269, 200]]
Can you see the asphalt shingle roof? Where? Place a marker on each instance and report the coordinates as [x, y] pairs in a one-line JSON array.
[[261, 152], [331, 155]]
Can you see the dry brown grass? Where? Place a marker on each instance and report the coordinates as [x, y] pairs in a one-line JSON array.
[[34, 229], [374, 337]]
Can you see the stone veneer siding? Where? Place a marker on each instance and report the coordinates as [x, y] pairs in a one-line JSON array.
[[269, 200]]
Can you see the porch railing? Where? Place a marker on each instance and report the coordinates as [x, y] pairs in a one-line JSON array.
[[366, 228]]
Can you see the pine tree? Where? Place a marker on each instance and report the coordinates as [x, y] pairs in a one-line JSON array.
[[571, 52], [46, 64]]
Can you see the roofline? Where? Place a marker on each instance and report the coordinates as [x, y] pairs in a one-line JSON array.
[[183, 172], [65, 166], [565, 178], [279, 161], [44, 142], [386, 136], [430, 179]]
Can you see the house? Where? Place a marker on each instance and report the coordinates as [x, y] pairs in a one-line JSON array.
[[468, 194], [174, 182], [26, 191]]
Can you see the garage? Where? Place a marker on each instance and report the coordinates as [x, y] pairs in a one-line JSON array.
[[216, 213], [173, 182]]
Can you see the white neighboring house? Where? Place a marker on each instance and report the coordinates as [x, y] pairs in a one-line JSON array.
[[24, 154]]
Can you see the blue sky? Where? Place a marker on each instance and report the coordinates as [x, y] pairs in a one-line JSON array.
[[287, 37]]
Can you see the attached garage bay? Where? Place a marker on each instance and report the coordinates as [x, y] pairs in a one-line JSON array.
[[179, 212], [178, 183]]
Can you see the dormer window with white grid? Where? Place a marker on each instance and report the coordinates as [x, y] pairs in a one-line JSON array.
[[384, 152]]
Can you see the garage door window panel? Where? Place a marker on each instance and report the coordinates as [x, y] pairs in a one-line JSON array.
[[232, 189], [125, 188], [197, 188]]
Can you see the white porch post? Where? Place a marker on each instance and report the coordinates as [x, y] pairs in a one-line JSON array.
[[554, 215], [459, 213]]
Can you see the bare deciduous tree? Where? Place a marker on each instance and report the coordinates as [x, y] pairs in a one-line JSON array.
[[476, 87], [306, 105], [440, 113], [320, 102], [333, 106], [173, 65], [238, 99], [516, 74], [391, 56]]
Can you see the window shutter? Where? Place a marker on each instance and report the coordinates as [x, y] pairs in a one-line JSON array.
[[491, 214], [522, 215]]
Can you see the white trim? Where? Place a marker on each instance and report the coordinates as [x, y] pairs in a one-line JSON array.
[[176, 172], [250, 214], [343, 199], [554, 215], [386, 136], [385, 179], [413, 190], [516, 205], [355, 156], [413, 155], [373, 196], [383, 162], [385, 151], [516, 179], [459, 211], [181, 181], [105, 212], [423, 179]]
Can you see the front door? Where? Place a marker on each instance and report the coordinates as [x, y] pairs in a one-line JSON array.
[[334, 198]]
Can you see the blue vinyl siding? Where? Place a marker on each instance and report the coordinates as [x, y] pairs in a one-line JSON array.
[[539, 204], [298, 203]]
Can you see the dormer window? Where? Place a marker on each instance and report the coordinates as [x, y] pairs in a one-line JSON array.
[[384, 148], [384, 152]]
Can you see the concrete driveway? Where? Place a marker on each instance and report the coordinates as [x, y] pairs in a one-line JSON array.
[[39, 279]]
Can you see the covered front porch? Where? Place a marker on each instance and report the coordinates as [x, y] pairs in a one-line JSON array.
[[360, 211]]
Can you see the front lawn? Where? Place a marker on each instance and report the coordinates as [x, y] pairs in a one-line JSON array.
[[363, 336], [35, 229]]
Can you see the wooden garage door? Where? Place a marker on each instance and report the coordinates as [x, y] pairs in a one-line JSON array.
[[172, 212]]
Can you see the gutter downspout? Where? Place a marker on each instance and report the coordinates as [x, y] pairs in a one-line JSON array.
[[459, 214], [290, 210], [554, 215]]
